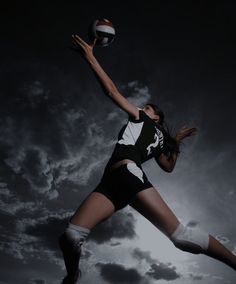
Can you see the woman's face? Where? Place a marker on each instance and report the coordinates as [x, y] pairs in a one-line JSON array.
[[151, 113]]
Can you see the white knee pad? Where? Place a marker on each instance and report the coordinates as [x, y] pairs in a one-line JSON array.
[[190, 239], [76, 234]]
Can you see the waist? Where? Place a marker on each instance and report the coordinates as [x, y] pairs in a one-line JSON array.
[[118, 164], [122, 162]]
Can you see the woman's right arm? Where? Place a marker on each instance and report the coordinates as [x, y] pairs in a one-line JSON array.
[[106, 82], [167, 163]]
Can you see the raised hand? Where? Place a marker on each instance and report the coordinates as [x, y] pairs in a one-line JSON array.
[[82, 46], [184, 132]]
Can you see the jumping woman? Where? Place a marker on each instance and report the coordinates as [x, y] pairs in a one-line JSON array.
[[145, 136]]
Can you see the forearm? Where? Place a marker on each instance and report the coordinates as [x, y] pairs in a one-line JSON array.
[[167, 161], [172, 161], [174, 155], [105, 81]]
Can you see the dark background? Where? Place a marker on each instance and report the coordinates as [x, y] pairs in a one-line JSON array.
[[58, 130]]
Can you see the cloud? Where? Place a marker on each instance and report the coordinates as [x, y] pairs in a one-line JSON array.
[[193, 223], [14, 205], [216, 277], [143, 255], [2, 185], [34, 93], [139, 95], [48, 143], [163, 271], [66, 143], [35, 238], [118, 274], [86, 253], [120, 225], [157, 269], [196, 276], [222, 239], [114, 244], [38, 281], [234, 250], [32, 162]]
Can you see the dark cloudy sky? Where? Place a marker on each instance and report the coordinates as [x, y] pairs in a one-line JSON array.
[[58, 130]]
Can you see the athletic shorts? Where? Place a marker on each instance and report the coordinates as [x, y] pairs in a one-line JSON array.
[[120, 185]]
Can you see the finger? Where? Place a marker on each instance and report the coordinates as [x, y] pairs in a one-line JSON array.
[[192, 131], [94, 42], [80, 40], [77, 40], [188, 131]]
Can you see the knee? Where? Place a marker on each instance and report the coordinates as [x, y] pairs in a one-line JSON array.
[[74, 235], [193, 240]]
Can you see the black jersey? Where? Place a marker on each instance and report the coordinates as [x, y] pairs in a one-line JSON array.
[[138, 140]]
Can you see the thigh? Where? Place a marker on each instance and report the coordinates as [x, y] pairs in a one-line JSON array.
[[150, 204], [94, 209]]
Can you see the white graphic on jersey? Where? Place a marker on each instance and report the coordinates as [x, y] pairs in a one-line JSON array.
[[153, 144], [158, 137], [135, 170], [131, 133]]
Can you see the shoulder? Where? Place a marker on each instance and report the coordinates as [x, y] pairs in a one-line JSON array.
[[141, 116]]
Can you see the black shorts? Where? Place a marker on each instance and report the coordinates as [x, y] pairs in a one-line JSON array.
[[120, 185]]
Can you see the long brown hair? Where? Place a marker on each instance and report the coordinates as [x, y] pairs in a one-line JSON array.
[[171, 145]]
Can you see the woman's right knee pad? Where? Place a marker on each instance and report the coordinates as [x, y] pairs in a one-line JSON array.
[[190, 239]]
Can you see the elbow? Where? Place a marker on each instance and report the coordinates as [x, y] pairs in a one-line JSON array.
[[112, 93], [112, 90]]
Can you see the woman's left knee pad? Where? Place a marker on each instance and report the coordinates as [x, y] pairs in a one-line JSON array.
[[190, 239], [76, 234]]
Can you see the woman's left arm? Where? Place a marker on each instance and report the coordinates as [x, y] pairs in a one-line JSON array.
[[167, 163]]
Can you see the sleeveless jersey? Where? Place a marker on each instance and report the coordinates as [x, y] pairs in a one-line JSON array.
[[138, 140]]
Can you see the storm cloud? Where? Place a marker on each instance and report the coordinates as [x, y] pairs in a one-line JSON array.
[[121, 225], [117, 273], [163, 271]]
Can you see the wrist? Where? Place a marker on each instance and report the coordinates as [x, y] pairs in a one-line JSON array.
[[177, 139], [90, 58], [177, 150]]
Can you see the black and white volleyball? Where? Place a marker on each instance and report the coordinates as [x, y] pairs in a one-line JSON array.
[[103, 30]]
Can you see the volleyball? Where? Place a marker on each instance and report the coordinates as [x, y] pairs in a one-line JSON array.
[[103, 30]]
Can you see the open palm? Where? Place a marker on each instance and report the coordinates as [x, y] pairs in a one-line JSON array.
[[184, 132]]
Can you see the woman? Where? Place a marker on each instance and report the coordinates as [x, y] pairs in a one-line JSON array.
[[124, 182]]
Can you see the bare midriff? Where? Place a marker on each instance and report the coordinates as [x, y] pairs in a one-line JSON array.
[[121, 162]]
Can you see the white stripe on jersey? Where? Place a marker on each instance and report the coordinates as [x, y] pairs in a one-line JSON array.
[[135, 170], [131, 133]]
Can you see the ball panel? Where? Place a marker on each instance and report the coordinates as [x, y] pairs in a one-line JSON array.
[[104, 22], [102, 34], [105, 29], [105, 40]]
